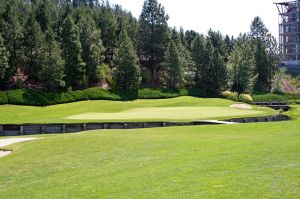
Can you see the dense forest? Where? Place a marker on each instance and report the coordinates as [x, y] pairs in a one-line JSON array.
[[76, 44]]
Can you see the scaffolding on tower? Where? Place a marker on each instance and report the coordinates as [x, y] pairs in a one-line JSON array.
[[289, 32]]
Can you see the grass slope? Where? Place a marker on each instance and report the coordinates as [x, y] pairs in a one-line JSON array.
[[174, 109], [230, 161]]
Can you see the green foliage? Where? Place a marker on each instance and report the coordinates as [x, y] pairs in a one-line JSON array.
[[199, 57], [174, 70], [153, 37], [77, 44], [237, 97], [92, 47], [270, 97], [106, 74], [3, 62], [13, 35], [34, 43], [266, 55], [278, 80], [52, 71], [241, 67], [215, 75], [178, 64], [16, 97], [148, 93], [128, 73], [3, 98], [75, 68]]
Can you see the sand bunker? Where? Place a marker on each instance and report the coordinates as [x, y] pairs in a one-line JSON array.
[[9, 141], [241, 106]]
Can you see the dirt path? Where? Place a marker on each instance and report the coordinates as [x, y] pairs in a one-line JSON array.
[[9, 141]]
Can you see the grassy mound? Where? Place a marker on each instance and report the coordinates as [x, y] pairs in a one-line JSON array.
[[174, 109]]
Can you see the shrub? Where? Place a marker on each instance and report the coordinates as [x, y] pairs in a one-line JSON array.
[[15, 97], [79, 95], [101, 94], [233, 96], [148, 93], [269, 97], [3, 98]]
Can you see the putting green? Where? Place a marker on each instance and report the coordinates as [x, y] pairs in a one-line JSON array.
[[175, 109], [167, 113]]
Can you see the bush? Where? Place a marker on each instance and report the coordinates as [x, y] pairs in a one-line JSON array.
[[233, 96], [3, 98], [269, 97], [15, 97], [79, 95], [148, 93], [100, 94]]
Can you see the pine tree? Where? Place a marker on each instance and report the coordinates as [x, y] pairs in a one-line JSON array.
[[215, 73], [200, 59], [12, 34], [153, 38], [52, 70], [267, 54], [75, 68], [184, 57], [261, 67], [218, 43], [108, 27], [4, 66], [241, 68], [43, 15], [127, 75], [93, 49], [218, 74], [33, 41], [174, 69]]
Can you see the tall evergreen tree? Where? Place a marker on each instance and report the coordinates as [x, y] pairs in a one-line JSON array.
[[267, 54], [200, 59], [75, 68], [4, 66], [43, 15], [127, 75], [261, 67], [189, 37], [52, 70], [33, 41], [215, 73], [174, 69], [241, 68], [108, 26], [184, 57], [93, 50], [218, 43], [153, 38], [12, 32]]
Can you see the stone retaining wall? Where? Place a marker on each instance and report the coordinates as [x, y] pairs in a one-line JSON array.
[[33, 129]]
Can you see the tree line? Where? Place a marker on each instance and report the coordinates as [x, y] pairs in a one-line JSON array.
[[76, 44]]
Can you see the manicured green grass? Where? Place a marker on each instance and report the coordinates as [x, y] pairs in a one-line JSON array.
[[229, 161], [176, 109], [294, 113]]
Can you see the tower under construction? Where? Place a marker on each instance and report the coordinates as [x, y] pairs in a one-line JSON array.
[[289, 32]]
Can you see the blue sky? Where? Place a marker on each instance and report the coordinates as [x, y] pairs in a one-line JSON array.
[[228, 16]]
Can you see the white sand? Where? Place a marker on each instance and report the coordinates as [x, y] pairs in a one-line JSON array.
[[9, 141], [4, 153], [241, 106]]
